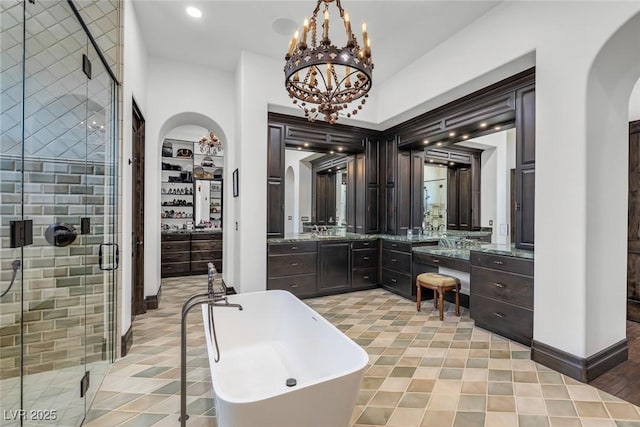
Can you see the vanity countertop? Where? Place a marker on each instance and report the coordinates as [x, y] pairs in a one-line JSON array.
[[196, 231], [463, 254], [314, 237], [427, 237]]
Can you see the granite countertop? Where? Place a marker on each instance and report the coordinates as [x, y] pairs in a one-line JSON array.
[[314, 237], [463, 254], [196, 231], [427, 237]]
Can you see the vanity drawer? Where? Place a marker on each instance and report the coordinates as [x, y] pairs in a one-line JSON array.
[[513, 288], [364, 258], [175, 269], [502, 318], [398, 281], [288, 265], [364, 277], [441, 261], [206, 255], [396, 246], [175, 237], [206, 236], [397, 261], [203, 266], [203, 245], [364, 244], [171, 257], [299, 285], [504, 263], [174, 246], [292, 248]]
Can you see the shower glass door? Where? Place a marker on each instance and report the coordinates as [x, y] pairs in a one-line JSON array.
[[58, 157]]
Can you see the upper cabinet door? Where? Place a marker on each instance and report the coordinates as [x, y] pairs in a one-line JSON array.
[[526, 126], [275, 153]]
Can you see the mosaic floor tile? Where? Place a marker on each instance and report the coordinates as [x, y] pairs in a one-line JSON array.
[[422, 371]]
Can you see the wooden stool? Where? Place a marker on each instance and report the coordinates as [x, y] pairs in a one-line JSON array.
[[440, 283]]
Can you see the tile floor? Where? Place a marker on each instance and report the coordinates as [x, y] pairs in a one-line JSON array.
[[423, 372]]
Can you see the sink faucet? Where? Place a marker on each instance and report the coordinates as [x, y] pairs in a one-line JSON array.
[[315, 228], [324, 229]]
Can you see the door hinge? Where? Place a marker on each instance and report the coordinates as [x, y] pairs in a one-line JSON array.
[[85, 225], [84, 384], [86, 65], [21, 233]]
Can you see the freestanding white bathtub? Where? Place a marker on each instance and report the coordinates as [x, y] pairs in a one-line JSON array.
[[276, 337]]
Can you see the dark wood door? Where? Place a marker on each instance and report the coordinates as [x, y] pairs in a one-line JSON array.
[[321, 198], [373, 187], [137, 218], [417, 188], [464, 198], [351, 194], [404, 192], [476, 172], [361, 193], [525, 166], [633, 256], [275, 182], [452, 199], [334, 266]]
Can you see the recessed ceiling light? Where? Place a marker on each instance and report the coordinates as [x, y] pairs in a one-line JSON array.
[[426, 141], [452, 134], [439, 144], [431, 161], [284, 26], [465, 136], [339, 148], [331, 152], [194, 12], [306, 144], [483, 125], [452, 163], [299, 148], [497, 128]]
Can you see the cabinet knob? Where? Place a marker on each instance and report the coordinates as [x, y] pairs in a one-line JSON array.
[[293, 285], [366, 244], [394, 245], [498, 262], [394, 260], [294, 248], [499, 285], [366, 277], [435, 261], [499, 315], [366, 258], [294, 264], [394, 280]]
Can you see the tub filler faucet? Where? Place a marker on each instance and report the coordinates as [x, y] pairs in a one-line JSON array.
[[212, 298]]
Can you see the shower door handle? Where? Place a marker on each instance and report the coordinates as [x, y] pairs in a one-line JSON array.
[[116, 257]]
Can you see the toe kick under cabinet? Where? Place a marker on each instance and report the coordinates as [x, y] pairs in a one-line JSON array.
[[501, 297]]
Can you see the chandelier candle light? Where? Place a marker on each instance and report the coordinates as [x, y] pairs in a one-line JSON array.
[[322, 78]]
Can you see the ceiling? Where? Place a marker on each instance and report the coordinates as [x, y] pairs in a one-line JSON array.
[[400, 31]]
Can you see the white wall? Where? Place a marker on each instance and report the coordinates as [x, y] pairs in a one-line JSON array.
[[180, 94], [634, 103], [133, 87]]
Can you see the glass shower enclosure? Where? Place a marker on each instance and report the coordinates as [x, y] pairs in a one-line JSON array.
[[58, 214]]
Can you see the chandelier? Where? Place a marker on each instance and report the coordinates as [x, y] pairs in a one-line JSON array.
[[210, 144], [322, 78]]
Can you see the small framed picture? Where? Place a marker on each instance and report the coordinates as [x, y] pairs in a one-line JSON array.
[[236, 188]]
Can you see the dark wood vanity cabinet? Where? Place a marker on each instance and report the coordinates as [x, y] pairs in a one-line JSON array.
[[184, 254], [459, 200], [275, 181], [397, 266], [501, 297], [205, 248], [293, 267], [334, 273], [364, 264], [175, 255]]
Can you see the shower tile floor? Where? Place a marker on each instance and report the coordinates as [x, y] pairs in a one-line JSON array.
[[423, 371]]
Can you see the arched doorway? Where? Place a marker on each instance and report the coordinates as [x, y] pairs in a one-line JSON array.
[[612, 76]]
